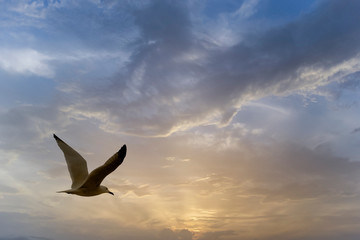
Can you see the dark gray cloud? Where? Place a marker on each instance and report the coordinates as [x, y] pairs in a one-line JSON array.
[[356, 130], [176, 80], [20, 224], [305, 173], [24, 126], [324, 236], [271, 62], [165, 22], [7, 189]]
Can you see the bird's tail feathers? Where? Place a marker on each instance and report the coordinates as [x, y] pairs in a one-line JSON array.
[[64, 191]]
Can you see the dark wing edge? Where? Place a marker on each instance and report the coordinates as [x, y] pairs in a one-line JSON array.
[[97, 175], [57, 138]]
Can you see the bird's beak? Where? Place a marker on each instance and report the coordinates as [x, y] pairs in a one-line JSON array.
[[111, 193]]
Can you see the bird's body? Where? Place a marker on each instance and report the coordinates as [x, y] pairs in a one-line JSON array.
[[83, 183], [87, 192]]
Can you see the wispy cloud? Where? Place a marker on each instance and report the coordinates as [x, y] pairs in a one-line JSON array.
[[26, 61], [248, 8]]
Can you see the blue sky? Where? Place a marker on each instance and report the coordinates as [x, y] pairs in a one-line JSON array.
[[241, 118]]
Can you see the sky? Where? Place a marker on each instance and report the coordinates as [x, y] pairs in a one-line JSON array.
[[241, 118]]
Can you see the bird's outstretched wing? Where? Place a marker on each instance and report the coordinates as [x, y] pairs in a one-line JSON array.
[[76, 163], [97, 175]]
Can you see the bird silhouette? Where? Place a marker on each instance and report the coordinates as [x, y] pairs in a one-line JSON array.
[[83, 183]]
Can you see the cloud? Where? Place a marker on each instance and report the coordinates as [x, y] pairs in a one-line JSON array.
[[31, 10], [25, 238], [259, 187], [111, 23], [127, 187], [278, 173], [247, 9], [356, 130], [7, 189], [176, 80], [22, 126], [21, 220], [26, 61], [183, 234], [218, 235], [172, 34]]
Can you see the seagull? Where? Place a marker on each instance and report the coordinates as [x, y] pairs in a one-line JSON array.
[[83, 183]]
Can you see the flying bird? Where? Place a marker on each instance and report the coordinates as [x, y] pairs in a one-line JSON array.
[[83, 183]]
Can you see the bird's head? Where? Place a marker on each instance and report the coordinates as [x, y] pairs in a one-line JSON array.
[[106, 190]]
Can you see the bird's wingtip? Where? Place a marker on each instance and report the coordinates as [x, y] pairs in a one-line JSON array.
[[123, 149], [57, 138]]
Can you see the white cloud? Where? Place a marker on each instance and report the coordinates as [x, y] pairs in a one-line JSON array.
[[247, 9], [26, 61], [33, 10]]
